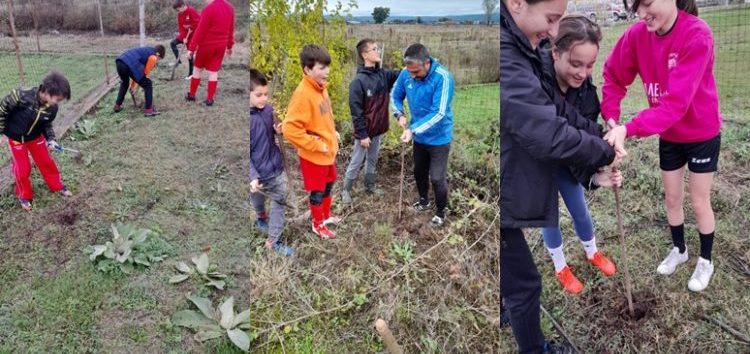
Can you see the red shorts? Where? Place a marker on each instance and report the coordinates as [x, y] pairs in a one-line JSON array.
[[315, 177], [209, 58]]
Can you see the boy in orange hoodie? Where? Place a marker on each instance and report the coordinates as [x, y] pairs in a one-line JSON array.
[[309, 126]]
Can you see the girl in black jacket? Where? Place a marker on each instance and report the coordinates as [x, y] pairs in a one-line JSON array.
[[534, 141]]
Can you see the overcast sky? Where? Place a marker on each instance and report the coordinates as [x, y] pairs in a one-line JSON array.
[[421, 7]]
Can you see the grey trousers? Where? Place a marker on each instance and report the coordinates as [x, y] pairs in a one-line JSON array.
[[275, 190], [360, 155]]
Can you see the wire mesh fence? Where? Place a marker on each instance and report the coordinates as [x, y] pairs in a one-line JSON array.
[[730, 24]]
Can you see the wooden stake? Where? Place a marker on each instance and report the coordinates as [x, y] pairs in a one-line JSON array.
[[624, 249], [401, 183], [388, 339]]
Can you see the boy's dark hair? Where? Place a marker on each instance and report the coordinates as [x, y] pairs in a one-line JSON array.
[[688, 6], [159, 50], [55, 84], [416, 53], [362, 46], [312, 54], [257, 79], [178, 4], [575, 29]]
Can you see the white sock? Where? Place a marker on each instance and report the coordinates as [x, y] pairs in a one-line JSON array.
[[558, 258], [590, 247]]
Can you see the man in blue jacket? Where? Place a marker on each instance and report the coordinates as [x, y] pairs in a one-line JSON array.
[[428, 86]]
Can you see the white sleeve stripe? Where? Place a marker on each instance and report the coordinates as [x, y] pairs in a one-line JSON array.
[[443, 104]]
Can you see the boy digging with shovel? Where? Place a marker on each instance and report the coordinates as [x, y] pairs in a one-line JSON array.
[[26, 119]]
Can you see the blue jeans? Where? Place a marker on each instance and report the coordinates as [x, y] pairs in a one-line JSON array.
[[575, 200]]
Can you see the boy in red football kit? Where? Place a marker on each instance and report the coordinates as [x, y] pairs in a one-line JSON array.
[[26, 119], [213, 37], [187, 22], [309, 126]]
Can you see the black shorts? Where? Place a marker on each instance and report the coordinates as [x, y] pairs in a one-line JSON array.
[[702, 157]]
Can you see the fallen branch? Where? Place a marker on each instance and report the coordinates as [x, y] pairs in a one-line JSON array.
[[559, 329], [737, 334]]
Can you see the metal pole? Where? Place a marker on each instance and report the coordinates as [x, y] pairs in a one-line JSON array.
[[15, 42], [142, 16]]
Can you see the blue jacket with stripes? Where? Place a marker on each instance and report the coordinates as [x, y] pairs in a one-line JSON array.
[[429, 104]]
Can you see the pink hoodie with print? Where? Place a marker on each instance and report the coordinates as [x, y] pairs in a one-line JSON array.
[[677, 74]]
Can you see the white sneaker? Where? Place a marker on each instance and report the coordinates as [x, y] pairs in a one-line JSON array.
[[188, 77], [674, 258], [704, 269], [333, 220]]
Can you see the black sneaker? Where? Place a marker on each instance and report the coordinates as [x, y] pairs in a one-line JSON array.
[[209, 103], [437, 221], [189, 98], [420, 206], [558, 348], [118, 108]]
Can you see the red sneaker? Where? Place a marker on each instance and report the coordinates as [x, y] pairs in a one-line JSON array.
[[603, 263], [323, 232], [569, 281]]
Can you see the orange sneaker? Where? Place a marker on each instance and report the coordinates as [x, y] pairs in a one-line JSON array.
[[603, 263], [569, 281]]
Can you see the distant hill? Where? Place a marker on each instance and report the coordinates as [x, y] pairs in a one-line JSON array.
[[429, 19]]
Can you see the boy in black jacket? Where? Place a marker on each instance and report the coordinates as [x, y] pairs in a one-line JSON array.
[[26, 119], [369, 93]]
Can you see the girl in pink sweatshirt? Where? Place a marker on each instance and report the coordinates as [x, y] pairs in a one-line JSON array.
[[673, 52]]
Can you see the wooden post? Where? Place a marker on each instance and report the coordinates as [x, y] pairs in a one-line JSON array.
[[15, 43], [101, 30]]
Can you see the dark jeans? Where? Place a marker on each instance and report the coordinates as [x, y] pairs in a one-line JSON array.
[[124, 72], [176, 52], [520, 288], [431, 164]]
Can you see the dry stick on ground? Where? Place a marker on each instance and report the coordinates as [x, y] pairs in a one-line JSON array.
[[387, 335], [559, 328], [621, 230], [372, 289], [727, 328]]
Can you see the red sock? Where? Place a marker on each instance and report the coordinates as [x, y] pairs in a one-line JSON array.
[[212, 89], [194, 82], [327, 207]]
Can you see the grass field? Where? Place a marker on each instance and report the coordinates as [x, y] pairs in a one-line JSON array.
[[184, 175], [596, 319]]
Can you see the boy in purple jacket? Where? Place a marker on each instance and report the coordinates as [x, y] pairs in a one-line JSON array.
[[266, 165]]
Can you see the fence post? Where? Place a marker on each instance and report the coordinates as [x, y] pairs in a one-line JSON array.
[[142, 16], [101, 30], [15, 42]]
